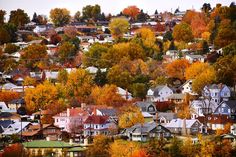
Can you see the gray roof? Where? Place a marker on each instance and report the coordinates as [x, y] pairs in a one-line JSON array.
[[5, 123], [176, 96], [167, 115], [231, 104], [108, 111]]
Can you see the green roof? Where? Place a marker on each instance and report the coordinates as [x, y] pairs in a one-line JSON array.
[[46, 144], [76, 149]]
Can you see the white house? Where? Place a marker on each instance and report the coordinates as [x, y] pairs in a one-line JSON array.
[[217, 93], [194, 58], [124, 93], [159, 94], [16, 128], [187, 88]]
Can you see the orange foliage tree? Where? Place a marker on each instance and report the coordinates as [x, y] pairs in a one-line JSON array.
[[140, 153], [15, 150], [8, 96], [195, 69], [107, 95], [177, 69], [131, 11]]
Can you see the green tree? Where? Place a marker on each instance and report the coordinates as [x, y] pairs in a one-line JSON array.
[[118, 26], [90, 11], [66, 51], [11, 48], [18, 17], [2, 18], [139, 90], [11, 29], [175, 147], [60, 16], [100, 78], [183, 32], [167, 36], [4, 36], [230, 49], [205, 47], [77, 16]]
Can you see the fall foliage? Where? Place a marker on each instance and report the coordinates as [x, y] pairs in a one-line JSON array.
[[131, 11], [195, 69], [118, 26], [8, 96]]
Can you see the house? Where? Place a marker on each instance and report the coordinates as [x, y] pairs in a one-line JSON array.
[[71, 120], [146, 106], [226, 108], [146, 131], [110, 112], [187, 88], [165, 117], [215, 122], [194, 58], [124, 93], [3, 107], [160, 93], [217, 93], [16, 128], [4, 125], [176, 98], [46, 131], [8, 86], [9, 116], [53, 148], [16, 104], [97, 125], [176, 126], [147, 117]]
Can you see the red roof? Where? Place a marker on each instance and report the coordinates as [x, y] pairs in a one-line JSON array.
[[216, 119], [96, 119]]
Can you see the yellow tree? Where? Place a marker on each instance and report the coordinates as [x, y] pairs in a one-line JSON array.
[[130, 116], [195, 69], [177, 68], [29, 81], [79, 84], [121, 148], [208, 76], [183, 32], [60, 16], [40, 97], [106, 95], [118, 26]]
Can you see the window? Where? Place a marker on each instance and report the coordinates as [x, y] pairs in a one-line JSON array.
[[228, 110]]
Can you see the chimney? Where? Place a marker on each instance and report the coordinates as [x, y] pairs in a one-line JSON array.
[[83, 105], [47, 138], [68, 112]]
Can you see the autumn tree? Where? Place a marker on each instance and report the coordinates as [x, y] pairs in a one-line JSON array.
[[183, 32], [127, 148], [198, 25], [140, 153], [175, 147], [66, 52], [55, 39], [18, 17], [2, 16], [225, 68], [29, 81], [33, 54], [8, 96], [177, 69], [130, 115], [4, 36], [226, 34], [131, 11], [208, 76], [206, 8], [188, 149], [100, 146], [118, 26], [62, 76], [16, 150], [79, 84], [230, 49], [70, 31], [40, 97], [195, 70], [60, 16], [11, 48], [107, 95]]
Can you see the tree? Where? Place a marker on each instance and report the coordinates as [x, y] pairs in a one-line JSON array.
[[18, 17], [130, 115], [11, 48], [195, 70], [8, 96], [131, 11], [90, 11], [79, 85], [230, 49], [175, 147], [205, 47], [139, 90], [33, 54], [55, 39], [183, 32], [66, 51], [167, 36], [77, 16], [100, 78], [60, 16], [188, 149], [198, 25], [206, 8], [40, 97], [16, 150], [118, 26], [226, 34], [142, 17], [35, 18], [177, 68], [70, 31], [140, 153], [127, 147], [4, 36], [107, 95], [11, 29], [208, 76], [29, 81], [206, 36], [100, 146], [2, 18], [62, 76], [225, 68]]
